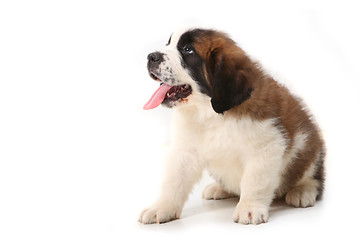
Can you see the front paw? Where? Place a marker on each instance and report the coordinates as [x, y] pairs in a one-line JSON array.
[[159, 213], [247, 213]]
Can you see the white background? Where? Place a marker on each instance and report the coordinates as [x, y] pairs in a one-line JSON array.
[[79, 158]]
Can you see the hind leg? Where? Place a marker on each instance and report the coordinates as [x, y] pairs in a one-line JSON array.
[[215, 191], [303, 195], [310, 187]]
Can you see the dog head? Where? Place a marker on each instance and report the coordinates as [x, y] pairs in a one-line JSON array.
[[201, 61]]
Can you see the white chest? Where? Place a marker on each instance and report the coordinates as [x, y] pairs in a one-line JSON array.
[[226, 144]]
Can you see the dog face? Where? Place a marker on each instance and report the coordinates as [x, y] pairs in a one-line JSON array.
[[200, 61]]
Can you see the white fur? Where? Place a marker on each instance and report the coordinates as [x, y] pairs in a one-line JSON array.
[[243, 154], [216, 191]]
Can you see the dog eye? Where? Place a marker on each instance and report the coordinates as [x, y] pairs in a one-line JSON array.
[[188, 49]]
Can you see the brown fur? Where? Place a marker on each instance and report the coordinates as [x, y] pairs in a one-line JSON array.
[[268, 99]]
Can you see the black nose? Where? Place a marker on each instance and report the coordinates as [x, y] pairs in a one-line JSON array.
[[154, 57]]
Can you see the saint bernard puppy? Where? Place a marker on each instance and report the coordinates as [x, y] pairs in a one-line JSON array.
[[253, 136]]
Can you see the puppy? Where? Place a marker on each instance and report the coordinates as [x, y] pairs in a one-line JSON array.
[[256, 139]]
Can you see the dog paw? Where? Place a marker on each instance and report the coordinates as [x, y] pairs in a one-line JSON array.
[[216, 192], [159, 213], [251, 214], [301, 197]]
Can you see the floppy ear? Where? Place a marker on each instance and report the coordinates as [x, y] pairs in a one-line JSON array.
[[231, 85]]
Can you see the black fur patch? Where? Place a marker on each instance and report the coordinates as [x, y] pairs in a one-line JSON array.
[[192, 61], [228, 84]]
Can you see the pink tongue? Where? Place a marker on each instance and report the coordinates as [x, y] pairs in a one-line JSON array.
[[158, 96]]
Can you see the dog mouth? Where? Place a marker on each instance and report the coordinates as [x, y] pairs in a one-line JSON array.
[[178, 92], [168, 93]]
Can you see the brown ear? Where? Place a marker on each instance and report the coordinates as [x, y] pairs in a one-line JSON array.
[[231, 85]]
